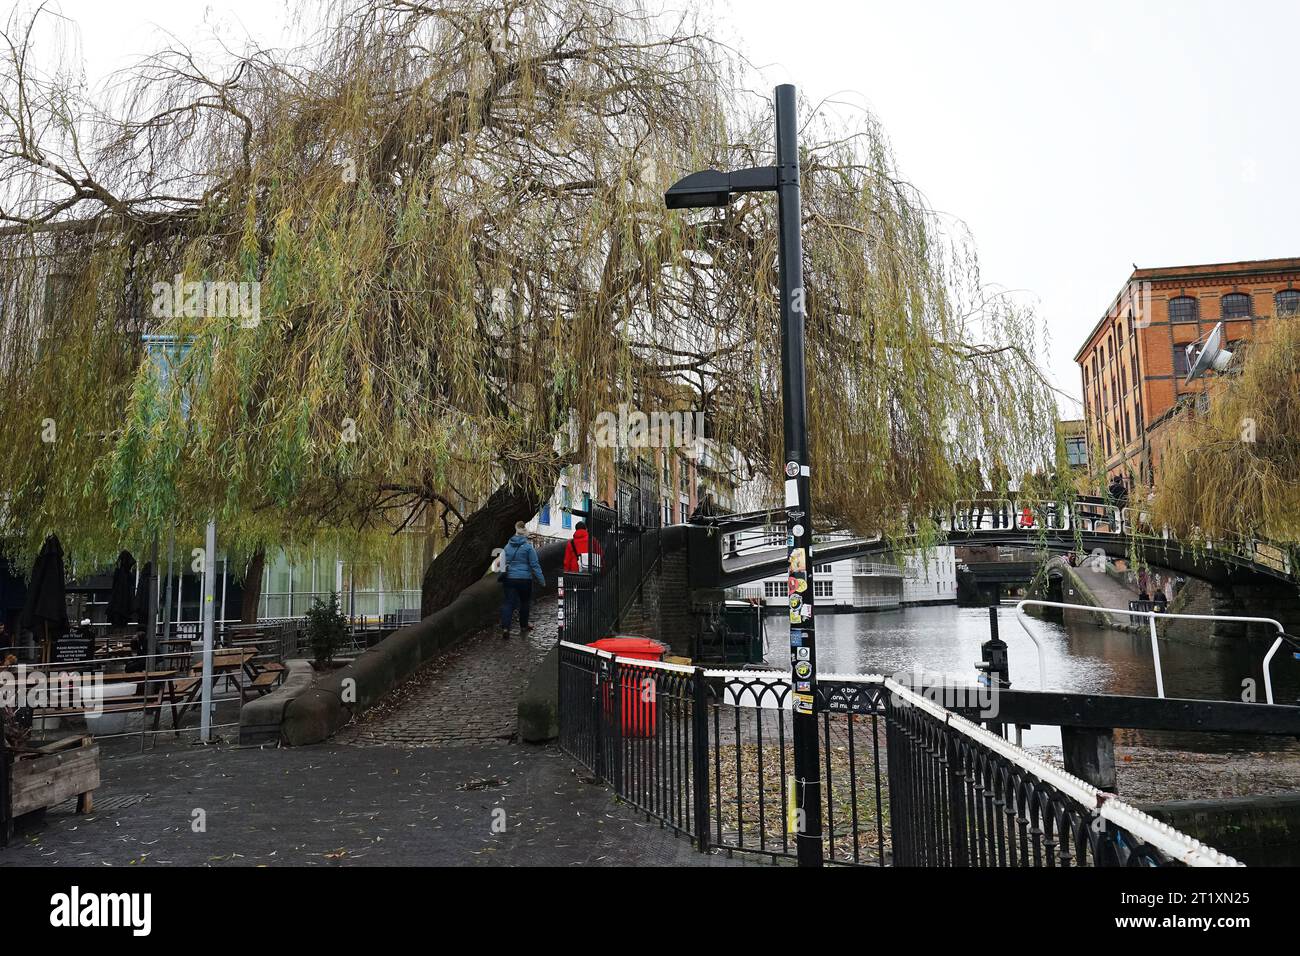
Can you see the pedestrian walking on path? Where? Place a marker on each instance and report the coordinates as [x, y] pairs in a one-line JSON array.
[[520, 568]]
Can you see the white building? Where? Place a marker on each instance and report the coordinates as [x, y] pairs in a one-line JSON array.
[[930, 578], [865, 584]]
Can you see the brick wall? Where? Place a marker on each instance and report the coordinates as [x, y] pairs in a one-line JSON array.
[[677, 625], [1260, 599]]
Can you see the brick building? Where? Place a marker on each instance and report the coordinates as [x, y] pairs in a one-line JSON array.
[[1134, 364]]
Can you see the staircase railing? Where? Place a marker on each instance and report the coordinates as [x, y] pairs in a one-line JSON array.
[[624, 547]]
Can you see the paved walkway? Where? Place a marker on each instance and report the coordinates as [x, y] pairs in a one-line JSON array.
[[498, 804], [1107, 592], [467, 696], [427, 778]]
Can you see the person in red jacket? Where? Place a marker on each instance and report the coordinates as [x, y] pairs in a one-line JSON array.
[[579, 545]]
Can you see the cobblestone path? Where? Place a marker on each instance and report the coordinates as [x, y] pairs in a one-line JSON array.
[[467, 696]]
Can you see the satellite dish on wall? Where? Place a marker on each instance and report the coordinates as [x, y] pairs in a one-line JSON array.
[[1210, 356]]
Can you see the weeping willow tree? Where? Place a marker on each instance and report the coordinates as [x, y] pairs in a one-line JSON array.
[[378, 282], [1231, 471]]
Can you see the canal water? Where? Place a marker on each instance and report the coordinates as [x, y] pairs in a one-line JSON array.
[[1079, 658]]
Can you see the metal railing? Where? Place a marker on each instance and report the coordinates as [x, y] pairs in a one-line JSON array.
[[1136, 609], [905, 782], [744, 539], [966, 797], [140, 697], [624, 545]]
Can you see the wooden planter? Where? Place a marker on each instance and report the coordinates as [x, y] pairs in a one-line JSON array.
[[56, 772]]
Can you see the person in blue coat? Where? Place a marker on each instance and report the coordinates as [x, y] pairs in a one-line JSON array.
[[520, 568]]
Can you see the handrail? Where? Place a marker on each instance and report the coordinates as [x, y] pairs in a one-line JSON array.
[[1098, 805], [1155, 648], [1172, 842], [1000, 515]]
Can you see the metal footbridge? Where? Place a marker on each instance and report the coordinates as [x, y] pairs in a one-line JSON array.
[[734, 549]]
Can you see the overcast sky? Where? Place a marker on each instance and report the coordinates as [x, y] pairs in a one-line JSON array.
[[1073, 139]]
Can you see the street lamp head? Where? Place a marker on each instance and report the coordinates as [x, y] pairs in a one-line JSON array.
[[702, 190]]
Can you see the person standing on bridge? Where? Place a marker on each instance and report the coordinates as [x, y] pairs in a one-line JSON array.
[[583, 552], [520, 568], [1118, 492]]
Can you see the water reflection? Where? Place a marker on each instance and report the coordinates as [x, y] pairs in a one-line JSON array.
[[1078, 658]]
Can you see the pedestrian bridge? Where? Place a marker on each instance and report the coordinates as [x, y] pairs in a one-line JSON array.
[[735, 549]]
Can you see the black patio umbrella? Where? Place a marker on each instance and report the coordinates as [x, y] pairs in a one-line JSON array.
[[121, 599], [45, 611]]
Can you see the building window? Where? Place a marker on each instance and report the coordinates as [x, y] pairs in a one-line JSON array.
[[1181, 367], [1076, 451], [566, 515], [823, 588], [1184, 309], [822, 569], [1287, 302], [686, 512], [545, 516], [1235, 306], [775, 589]]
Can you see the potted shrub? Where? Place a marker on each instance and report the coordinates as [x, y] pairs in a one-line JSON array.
[[327, 629]]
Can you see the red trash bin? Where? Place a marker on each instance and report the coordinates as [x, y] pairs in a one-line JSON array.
[[637, 690]]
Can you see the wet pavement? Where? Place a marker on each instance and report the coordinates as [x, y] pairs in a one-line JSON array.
[[332, 805]]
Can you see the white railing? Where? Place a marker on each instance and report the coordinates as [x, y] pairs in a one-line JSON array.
[[877, 568], [1173, 843], [1155, 645], [1000, 515]]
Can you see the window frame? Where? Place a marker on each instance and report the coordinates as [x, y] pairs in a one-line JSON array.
[[1195, 315], [1236, 297]]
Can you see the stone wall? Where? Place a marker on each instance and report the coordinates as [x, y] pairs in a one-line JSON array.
[[1257, 830], [667, 609], [336, 698], [1258, 598]]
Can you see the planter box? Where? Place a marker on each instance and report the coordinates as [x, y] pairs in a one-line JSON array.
[[62, 770]]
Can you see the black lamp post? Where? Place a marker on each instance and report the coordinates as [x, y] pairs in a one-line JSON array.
[[713, 188]]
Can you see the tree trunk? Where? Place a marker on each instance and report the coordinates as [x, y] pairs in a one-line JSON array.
[[468, 555], [252, 587]]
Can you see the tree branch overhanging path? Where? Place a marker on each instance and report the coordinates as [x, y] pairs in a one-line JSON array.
[[453, 214]]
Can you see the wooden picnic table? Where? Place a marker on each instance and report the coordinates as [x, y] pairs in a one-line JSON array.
[[160, 691], [136, 676]]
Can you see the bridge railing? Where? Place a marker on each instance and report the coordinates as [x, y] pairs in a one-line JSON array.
[[904, 781], [1254, 551], [996, 517]]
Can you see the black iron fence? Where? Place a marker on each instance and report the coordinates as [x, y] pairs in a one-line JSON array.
[[905, 782], [623, 548]]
